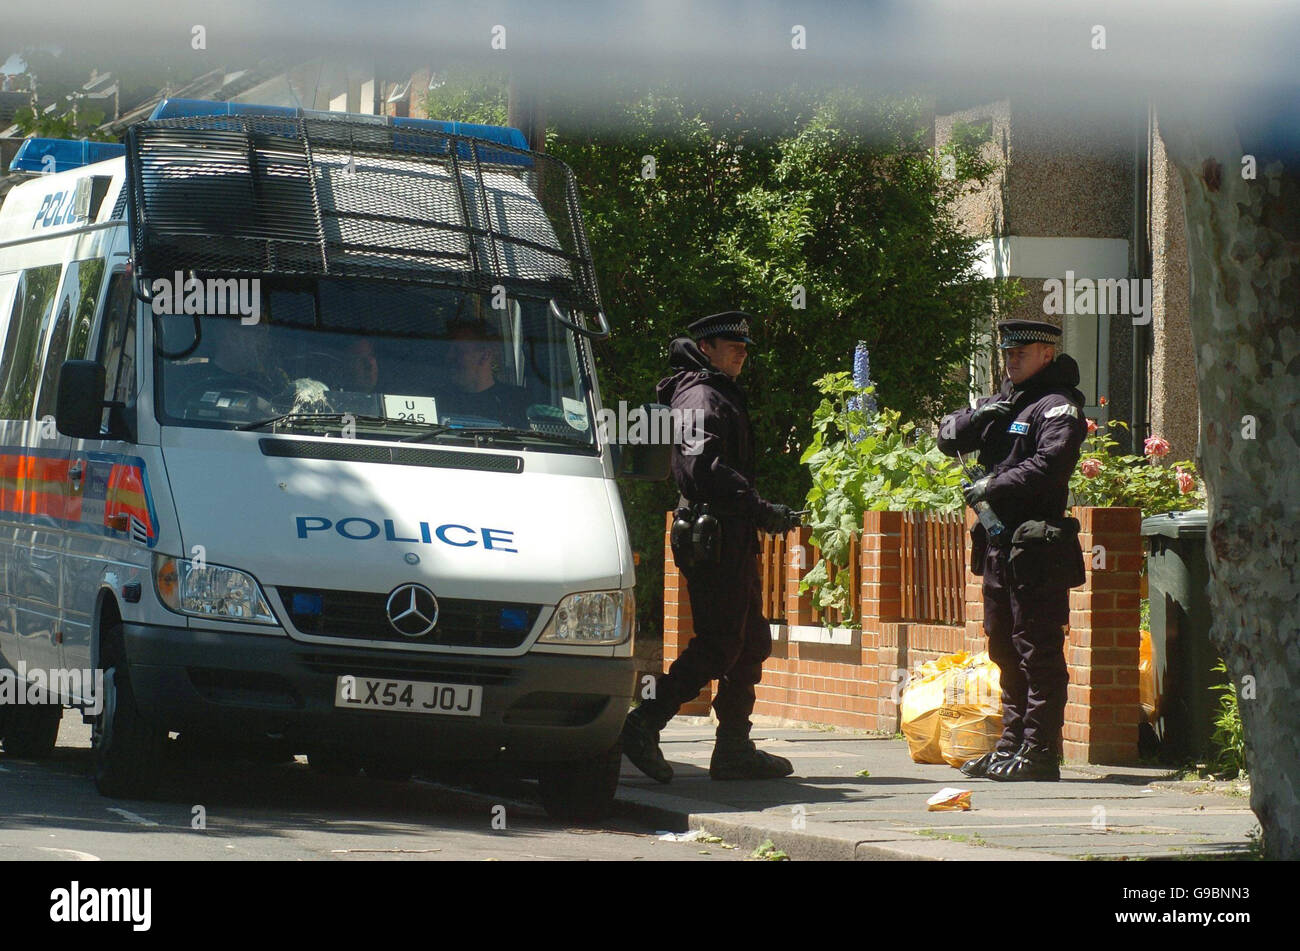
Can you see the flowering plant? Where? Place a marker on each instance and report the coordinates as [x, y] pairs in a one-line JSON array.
[[862, 459], [1106, 478]]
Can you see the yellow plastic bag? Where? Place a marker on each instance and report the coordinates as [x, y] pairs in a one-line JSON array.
[[970, 721], [922, 700], [1148, 689], [919, 708], [967, 733], [974, 682], [949, 708]]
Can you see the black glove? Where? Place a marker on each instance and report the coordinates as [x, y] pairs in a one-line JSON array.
[[997, 410], [977, 492], [778, 519]]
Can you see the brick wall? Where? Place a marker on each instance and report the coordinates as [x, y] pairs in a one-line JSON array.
[[852, 677], [1101, 717]]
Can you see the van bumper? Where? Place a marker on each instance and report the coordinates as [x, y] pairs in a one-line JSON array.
[[536, 708]]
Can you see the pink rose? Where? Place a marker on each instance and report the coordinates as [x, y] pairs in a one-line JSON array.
[[1155, 447], [1092, 425], [1090, 468], [1185, 481]]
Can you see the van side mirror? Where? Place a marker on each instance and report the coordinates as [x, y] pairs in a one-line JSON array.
[[79, 404], [647, 463]]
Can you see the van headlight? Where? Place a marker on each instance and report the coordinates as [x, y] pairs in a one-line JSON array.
[[204, 590], [592, 618]]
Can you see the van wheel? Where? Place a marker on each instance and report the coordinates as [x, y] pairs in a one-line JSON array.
[[127, 748], [583, 790], [30, 730]]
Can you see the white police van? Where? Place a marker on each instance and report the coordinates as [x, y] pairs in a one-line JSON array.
[[298, 446]]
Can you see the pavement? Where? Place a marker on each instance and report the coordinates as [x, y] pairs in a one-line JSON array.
[[860, 796]]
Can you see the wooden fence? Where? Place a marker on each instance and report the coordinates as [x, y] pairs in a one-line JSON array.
[[932, 555], [772, 565]]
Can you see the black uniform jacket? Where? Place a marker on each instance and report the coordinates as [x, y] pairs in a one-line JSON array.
[[1032, 455], [721, 472]]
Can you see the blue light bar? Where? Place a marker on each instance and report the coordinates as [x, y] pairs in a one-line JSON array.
[[62, 155], [506, 135]]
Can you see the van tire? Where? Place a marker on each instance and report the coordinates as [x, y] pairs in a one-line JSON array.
[[583, 790], [127, 748], [31, 730]]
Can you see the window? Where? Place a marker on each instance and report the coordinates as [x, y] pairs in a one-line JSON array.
[[8, 283], [1086, 338], [28, 321], [117, 342], [72, 328], [378, 351]]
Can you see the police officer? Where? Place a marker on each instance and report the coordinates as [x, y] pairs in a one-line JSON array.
[[732, 637], [1028, 438]]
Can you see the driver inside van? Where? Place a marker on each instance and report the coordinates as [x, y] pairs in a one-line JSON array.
[[237, 364]]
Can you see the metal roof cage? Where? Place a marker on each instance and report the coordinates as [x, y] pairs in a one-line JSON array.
[[311, 196]]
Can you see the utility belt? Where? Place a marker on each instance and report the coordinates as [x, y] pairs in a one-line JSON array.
[[1042, 553], [696, 534]]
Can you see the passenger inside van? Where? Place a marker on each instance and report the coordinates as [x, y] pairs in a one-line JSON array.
[[472, 387], [361, 366]]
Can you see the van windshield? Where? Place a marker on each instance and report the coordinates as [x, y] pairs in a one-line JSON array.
[[382, 357]]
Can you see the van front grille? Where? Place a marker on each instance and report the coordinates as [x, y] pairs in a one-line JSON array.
[[363, 616]]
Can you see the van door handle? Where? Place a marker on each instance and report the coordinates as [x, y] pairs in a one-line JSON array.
[[76, 472]]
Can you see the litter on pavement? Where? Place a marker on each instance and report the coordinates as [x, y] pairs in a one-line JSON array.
[[949, 799]]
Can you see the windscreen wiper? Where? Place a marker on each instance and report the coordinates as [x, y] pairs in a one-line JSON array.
[[489, 432], [338, 417]]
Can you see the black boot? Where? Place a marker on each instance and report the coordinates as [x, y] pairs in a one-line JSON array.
[[1031, 764], [641, 744], [997, 769], [736, 757], [980, 768]]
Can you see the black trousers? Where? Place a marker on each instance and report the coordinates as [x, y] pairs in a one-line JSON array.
[[732, 639], [1026, 632]]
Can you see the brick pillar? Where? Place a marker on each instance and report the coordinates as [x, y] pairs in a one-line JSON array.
[[882, 571], [880, 606], [878, 692], [798, 559], [679, 626], [1101, 718]]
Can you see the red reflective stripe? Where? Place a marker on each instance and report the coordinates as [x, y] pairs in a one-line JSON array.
[[39, 485], [126, 479]]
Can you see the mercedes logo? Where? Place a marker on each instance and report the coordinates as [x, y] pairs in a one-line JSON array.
[[412, 610]]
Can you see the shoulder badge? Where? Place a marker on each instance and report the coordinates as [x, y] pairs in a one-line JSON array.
[[1019, 427], [1066, 409]]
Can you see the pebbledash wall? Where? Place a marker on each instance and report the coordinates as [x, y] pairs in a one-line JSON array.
[[851, 677]]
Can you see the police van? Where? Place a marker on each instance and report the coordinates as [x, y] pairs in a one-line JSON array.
[[297, 428]]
